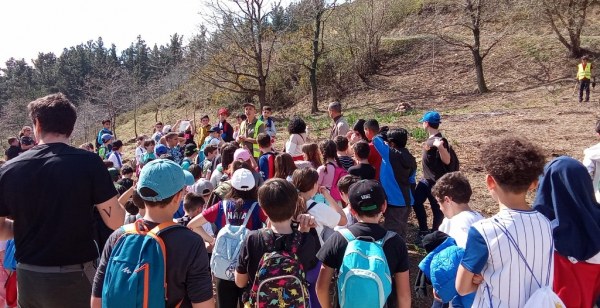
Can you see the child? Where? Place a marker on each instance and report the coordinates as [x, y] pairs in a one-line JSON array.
[[398, 171], [266, 161], [115, 155], [27, 142], [341, 144], [203, 129], [591, 161], [311, 155], [284, 166], [191, 150], [266, 118], [188, 281], [106, 146], [126, 175], [330, 162], [566, 197], [210, 152], [149, 155], [367, 203], [501, 249], [278, 199], [225, 128], [239, 119], [371, 130], [297, 131], [363, 169], [344, 186], [14, 149], [104, 131], [193, 205]]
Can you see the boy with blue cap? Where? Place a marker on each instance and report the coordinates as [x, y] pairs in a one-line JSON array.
[[162, 185], [436, 162]]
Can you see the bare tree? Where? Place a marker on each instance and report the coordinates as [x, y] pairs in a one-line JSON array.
[[239, 53], [477, 14], [567, 19]]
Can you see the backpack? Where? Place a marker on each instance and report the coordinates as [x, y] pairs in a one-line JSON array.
[[224, 258], [338, 174], [280, 278], [544, 296], [136, 270], [103, 152], [364, 279], [200, 158], [454, 162]]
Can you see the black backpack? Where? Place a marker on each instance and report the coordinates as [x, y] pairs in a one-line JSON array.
[[454, 162]]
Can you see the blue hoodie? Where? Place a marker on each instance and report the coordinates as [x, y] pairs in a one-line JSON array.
[[397, 173]]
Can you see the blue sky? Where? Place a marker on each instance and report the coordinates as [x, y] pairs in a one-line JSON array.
[[32, 26]]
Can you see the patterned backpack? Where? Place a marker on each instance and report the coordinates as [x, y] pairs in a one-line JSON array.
[[280, 279]]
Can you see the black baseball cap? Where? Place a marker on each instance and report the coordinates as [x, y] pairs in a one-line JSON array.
[[366, 196]]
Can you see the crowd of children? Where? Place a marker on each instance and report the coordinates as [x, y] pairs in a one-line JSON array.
[[324, 224]]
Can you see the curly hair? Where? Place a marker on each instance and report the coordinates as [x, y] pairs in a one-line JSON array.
[[514, 163], [328, 151], [297, 126], [454, 185]]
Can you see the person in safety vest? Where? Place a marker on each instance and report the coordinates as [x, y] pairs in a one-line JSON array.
[[249, 130], [584, 76]]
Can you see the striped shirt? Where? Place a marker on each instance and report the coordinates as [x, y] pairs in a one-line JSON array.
[[507, 281]]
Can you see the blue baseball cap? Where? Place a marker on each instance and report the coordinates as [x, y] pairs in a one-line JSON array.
[[160, 150], [431, 117], [106, 137], [164, 177]]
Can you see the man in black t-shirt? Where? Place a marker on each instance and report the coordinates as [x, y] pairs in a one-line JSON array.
[[436, 159], [50, 192], [367, 203]]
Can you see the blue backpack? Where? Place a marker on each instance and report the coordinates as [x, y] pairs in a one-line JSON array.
[[364, 279], [136, 270]]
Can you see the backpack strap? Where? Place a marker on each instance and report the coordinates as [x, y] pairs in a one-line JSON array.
[[268, 237], [296, 241], [224, 204], [388, 235], [311, 206], [347, 235], [247, 216]]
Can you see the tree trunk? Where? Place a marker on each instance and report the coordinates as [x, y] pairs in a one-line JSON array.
[[479, 71], [135, 119], [313, 65], [262, 94]]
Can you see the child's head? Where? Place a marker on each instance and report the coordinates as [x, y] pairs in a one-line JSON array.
[[297, 126], [227, 154], [117, 145], [284, 166], [161, 150], [106, 138], [26, 131], [149, 145], [190, 150], [371, 128], [243, 187], [279, 199], [140, 140], [328, 150], [210, 151], [193, 204], [158, 127], [204, 120], [126, 171], [367, 198], [242, 154], [267, 111], [341, 143], [14, 141], [241, 118], [264, 141], [305, 179], [196, 171], [452, 187], [223, 114], [162, 184], [214, 131], [87, 146], [361, 150], [312, 154], [513, 166], [172, 139], [431, 119], [397, 138], [106, 123], [203, 187], [114, 173], [344, 185]]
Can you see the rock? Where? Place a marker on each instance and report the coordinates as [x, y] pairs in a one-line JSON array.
[[404, 107]]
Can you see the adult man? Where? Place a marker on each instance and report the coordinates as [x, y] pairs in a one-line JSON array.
[[52, 223], [436, 161], [249, 130], [584, 75], [340, 126], [105, 130]]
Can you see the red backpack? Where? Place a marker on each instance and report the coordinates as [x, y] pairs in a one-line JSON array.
[[338, 174]]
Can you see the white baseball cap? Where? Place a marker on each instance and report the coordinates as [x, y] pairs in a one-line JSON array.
[[243, 180]]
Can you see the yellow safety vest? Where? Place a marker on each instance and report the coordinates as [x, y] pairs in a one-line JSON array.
[[243, 131], [584, 73]]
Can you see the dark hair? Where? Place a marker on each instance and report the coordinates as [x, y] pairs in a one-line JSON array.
[[241, 116], [239, 196], [263, 140], [372, 125], [54, 114], [12, 139], [158, 123], [328, 151], [105, 121], [359, 127], [210, 148], [126, 170], [171, 135], [148, 192], [361, 149], [279, 199], [433, 125], [345, 182], [204, 117], [514, 163], [398, 137], [117, 145], [453, 185], [227, 155], [108, 163], [598, 127], [312, 154], [284, 166], [341, 143], [149, 142], [140, 138], [297, 126], [304, 180], [192, 202], [267, 108], [196, 171]]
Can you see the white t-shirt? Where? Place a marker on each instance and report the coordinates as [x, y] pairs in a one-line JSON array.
[[215, 176], [458, 226], [324, 216], [139, 152], [294, 145], [116, 159], [351, 220]]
